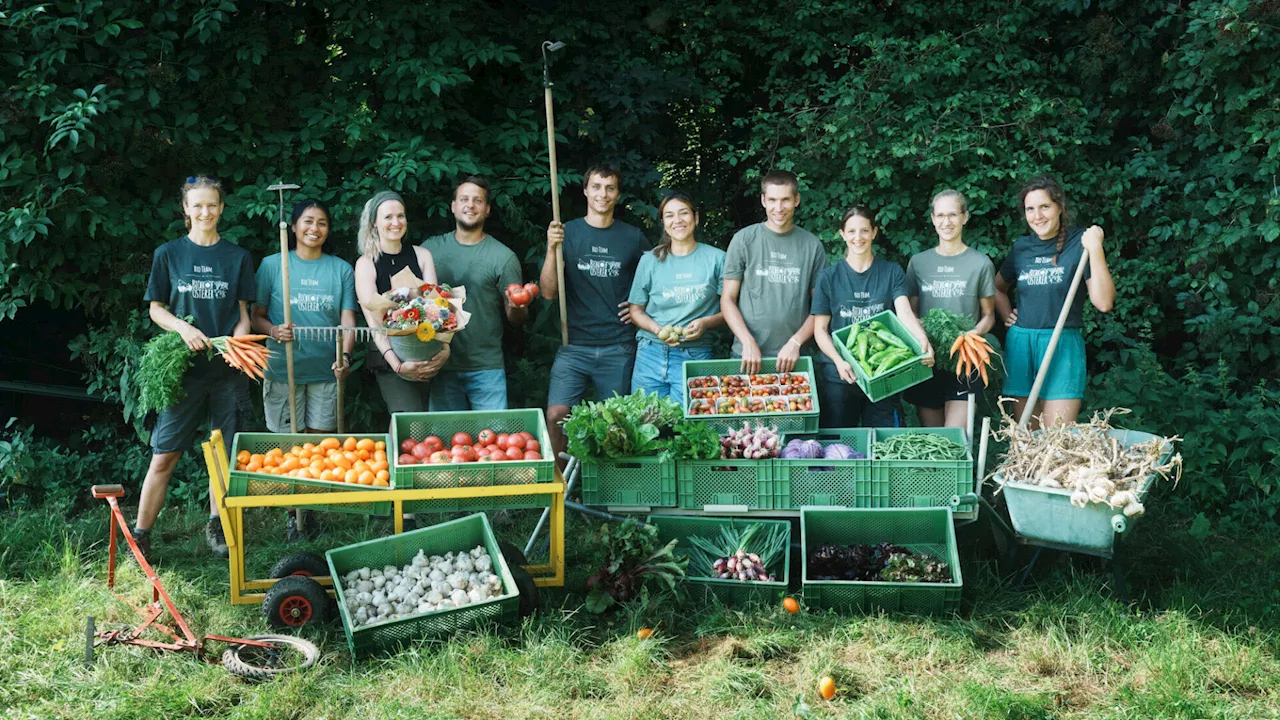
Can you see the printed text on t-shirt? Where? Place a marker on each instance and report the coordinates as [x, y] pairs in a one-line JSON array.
[[856, 314], [945, 288], [600, 268], [781, 274], [1042, 276]]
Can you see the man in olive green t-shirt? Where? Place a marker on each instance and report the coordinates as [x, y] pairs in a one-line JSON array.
[[474, 378], [769, 273]]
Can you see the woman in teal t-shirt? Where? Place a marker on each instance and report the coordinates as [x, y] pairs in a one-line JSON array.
[[677, 285], [1041, 265]]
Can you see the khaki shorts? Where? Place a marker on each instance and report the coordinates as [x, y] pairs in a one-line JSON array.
[[317, 406]]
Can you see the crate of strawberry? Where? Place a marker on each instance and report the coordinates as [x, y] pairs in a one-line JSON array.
[[472, 449]]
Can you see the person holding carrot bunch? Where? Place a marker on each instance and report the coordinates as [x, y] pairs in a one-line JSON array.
[[209, 279], [322, 292], [1041, 265], [851, 291]]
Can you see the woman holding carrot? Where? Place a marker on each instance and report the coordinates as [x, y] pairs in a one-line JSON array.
[[853, 290], [1041, 265], [210, 280], [961, 280]]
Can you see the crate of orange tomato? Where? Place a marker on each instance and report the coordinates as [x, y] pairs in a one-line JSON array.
[[285, 464]]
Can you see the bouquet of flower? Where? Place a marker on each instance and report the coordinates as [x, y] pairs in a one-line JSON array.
[[418, 316]]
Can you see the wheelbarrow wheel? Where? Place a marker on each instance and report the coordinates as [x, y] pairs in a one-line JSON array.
[[287, 654], [530, 600], [301, 563], [295, 601]]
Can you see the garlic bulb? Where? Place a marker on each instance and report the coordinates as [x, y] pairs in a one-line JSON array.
[[364, 573], [483, 563], [460, 598]]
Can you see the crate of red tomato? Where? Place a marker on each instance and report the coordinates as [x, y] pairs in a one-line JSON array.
[[717, 392], [472, 449]]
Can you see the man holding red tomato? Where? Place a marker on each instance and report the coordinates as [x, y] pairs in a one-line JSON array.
[[474, 378], [600, 258]]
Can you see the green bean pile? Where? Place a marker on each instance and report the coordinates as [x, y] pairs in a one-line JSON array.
[[919, 446]]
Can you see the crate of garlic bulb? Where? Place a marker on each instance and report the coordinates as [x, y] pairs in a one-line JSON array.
[[1082, 485], [425, 583]]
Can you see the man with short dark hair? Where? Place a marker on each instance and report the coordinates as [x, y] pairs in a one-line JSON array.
[[475, 378], [769, 273], [600, 258]]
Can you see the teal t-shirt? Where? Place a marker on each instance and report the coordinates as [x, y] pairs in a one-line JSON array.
[[953, 283], [319, 290], [485, 270], [679, 289]]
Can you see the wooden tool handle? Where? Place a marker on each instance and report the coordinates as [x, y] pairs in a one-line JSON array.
[[288, 320], [555, 214], [1029, 410]]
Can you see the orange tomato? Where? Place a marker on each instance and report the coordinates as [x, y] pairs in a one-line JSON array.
[[351, 477], [827, 687], [378, 465], [326, 475], [295, 450], [342, 462], [365, 444], [644, 633], [303, 473], [790, 605], [379, 445], [271, 461], [351, 456], [381, 482], [243, 456], [366, 478], [363, 454], [253, 466], [382, 475], [257, 456], [330, 443], [379, 455], [309, 447], [349, 444], [289, 463]]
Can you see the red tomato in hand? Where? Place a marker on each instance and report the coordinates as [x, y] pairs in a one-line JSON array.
[[532, 455], [531, 289], [461, 438], [421, 451], [514, 287], [518, 295], [501, 442], [486, 437], [407, 459], [516, 441], [515, 453], [407, 445], [433, 442], [533, 445]]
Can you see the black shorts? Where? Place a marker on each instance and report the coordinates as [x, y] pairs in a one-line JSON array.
[[215, 392], [942, 388]]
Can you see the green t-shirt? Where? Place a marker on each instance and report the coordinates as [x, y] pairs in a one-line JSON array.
[[778, 272], [954, 283], [1042, 286], [679, 289], [319, 290], [849, 296], [485, 270]]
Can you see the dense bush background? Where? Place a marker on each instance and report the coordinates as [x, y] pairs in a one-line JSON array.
[[1161, 118]]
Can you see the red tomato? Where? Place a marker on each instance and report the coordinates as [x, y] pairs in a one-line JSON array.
[[517, 442], [486, 437], [433, 442], [492, 448], [481, 451], [531, 289], [526, 435], [533, 445], [501, 442], [440, 456], [515, 453], [460, 449], [514, 287], [488, 458], [407, 445], [421, 451], [518, 295], [461, 438], [407, 459], [532, 455]]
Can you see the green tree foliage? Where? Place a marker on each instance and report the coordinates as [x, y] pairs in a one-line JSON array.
[[1159, 117]]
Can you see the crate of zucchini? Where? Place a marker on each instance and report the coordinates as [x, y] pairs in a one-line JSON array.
[[444, 425], [625, 445], [797, 389], [884, 355], [759, 550], [896, 559], [920, 467]]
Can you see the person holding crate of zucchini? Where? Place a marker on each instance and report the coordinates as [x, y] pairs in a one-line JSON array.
[[850, 292], [1041, 265], [959, 280], [675, 299]]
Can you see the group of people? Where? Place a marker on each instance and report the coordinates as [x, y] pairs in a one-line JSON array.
[[773, 288]]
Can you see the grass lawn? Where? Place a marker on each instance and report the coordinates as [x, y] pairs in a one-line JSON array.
[[1200, 640]]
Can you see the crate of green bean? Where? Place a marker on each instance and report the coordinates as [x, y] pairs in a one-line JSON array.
[[921, 467], [882, 366]]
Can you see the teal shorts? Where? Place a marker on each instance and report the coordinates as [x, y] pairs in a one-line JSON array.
[[1023, 351]]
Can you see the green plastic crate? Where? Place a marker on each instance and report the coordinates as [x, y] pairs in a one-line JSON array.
[[629, 482], [923, 483], [452, 536], [1047, 515], [921, 530], [896, 380], [840, 483], [477, 474], [726, 485], [785, 422], [242, 483], [729, 592]]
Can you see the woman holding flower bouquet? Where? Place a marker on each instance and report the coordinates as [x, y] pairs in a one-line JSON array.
[[383, 253]]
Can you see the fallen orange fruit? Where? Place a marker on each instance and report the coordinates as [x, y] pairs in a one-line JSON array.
[[827, 687], [644, 633], [790, 605]]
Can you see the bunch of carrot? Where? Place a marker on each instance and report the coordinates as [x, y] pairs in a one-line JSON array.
[[975, 354], [244, 353]]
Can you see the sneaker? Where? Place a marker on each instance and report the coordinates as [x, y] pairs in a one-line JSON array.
[[213, 535], [143, 542], [291, 534]]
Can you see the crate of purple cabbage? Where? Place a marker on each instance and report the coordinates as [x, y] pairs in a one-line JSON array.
[[826, 468]]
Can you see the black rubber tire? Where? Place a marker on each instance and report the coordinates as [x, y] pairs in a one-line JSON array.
[[530, 597], [513, 554], [301, 563], [253, 663], [295, 601]]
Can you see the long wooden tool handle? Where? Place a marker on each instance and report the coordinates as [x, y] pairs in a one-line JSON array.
[[555, 214], [1029, 410], [342, 424], [288, 320]]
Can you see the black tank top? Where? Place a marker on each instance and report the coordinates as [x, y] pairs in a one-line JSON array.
[[386, 266]]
